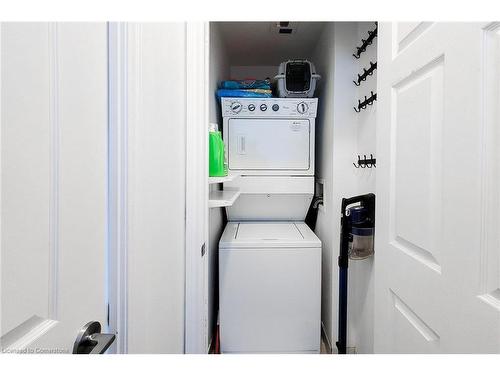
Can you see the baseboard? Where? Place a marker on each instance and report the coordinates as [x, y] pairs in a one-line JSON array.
[[326, 339], [211, 346]]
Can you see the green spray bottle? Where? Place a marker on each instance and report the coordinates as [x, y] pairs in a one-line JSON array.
[[216, 165]]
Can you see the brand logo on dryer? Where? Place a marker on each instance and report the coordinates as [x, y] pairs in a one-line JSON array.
[[296, 126]]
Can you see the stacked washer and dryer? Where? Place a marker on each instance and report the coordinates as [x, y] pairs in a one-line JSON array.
[[269, 259]]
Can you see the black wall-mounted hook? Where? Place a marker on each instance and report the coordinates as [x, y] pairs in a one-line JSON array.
[[368, 162], [365, 162], [362, 164], [366, 73], [366, 42], [366, 102], [358, 109]]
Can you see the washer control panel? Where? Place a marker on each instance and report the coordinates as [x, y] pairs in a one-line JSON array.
[[269, 107]]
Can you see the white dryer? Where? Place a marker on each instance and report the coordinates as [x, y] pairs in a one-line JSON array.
[[270, 143], [269, 259]]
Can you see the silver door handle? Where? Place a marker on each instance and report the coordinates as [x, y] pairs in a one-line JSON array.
[[90, 340]]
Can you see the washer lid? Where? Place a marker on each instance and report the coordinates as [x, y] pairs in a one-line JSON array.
[[268, 235]]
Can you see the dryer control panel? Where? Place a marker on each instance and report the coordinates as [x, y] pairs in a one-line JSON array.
[[269, 107]]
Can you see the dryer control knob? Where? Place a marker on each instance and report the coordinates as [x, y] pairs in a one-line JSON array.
[[302, 107], [263, 107], [236, 107]]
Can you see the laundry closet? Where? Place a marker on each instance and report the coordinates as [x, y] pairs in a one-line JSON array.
[[107, 135], [335, 158]]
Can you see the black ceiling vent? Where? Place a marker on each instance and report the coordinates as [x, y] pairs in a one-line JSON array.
[[284, 27]]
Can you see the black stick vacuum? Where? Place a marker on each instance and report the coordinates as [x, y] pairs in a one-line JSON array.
[[364, 224]]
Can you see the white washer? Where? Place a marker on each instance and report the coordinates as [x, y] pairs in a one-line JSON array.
[[270, 288]]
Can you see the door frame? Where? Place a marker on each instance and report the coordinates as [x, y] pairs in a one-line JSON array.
[[197, 95], [118, 138]]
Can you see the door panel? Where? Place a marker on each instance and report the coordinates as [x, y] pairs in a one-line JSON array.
[[407, 32], [264, 144], [54, 182], [418, 102], [437, 223], [25, 196]]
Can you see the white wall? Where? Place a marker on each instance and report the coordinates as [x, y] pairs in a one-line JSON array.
[[361, 284], [251, 71], [336, 144], [218, 70], [156, 202], [340, 135], [324, 60]]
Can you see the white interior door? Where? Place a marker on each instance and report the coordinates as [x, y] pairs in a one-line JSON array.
[[437, 267], [53, 183]]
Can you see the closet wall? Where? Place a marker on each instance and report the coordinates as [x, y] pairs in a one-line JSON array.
[[341, 134], [361, 284], [336, 143], [219, 70], [251, 71], [155, 201]]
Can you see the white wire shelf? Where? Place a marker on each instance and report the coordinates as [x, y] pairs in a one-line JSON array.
[[218, 180], [222, 198]]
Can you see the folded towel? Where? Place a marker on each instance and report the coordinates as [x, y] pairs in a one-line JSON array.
[[254, 93], [246, 84]]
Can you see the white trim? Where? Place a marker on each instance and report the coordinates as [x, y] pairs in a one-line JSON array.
[[55, 130], [117, 182], [1, 184], [326, 339], [196, 303], [490, 169]]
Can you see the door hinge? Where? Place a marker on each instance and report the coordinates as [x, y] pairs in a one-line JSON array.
[[203, 250]]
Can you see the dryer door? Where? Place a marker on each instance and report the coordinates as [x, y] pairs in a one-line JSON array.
[[268, 144]]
